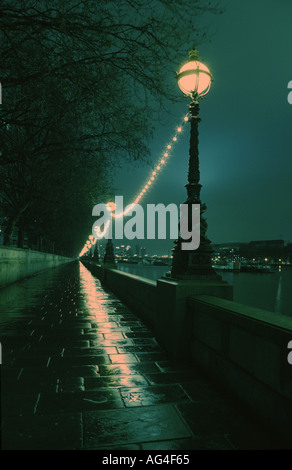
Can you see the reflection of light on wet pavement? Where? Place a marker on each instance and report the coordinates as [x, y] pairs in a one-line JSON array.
[[95, 306], [94, 297], [83, 372]]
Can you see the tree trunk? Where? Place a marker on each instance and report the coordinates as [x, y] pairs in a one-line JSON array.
[[20, 238], [8, 232]]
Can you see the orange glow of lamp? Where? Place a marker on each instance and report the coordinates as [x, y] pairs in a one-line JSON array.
[[194, 78], [111, 206]]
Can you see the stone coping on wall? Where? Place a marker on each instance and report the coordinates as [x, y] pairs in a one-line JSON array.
[[133, 277], [245, 311]]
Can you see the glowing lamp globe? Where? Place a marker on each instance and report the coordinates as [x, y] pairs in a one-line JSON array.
[[111, 206], [194, 78]]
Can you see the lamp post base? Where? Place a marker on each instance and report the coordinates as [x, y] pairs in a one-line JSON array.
[[196, 264], [109, 257]]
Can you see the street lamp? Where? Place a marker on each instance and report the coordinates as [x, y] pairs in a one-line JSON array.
[[109, 256], [96, 254], [194, 80], [91, 237]]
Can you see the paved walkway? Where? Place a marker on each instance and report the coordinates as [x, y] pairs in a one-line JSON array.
[[81, 371]]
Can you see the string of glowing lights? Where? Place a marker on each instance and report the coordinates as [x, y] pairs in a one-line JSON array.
[[149, 183]]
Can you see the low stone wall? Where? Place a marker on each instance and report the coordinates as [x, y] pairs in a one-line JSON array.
[[246, 350], [243, 348], [17, 263]]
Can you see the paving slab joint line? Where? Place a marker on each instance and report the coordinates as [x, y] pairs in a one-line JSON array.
[[82, 432], [183, 420], [227, 438]]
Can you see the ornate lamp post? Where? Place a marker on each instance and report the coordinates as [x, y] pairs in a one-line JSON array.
[[109, 257], [95, 256], [194, 79], [91, 244], [88, 246]]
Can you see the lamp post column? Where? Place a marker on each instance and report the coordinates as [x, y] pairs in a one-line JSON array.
[[194, 264]]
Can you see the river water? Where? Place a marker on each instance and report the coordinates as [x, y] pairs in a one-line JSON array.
[[272, 291]]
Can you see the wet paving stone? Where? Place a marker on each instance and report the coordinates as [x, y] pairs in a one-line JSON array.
[[151, 356], [132, 426], [11, 374], [136, 349], [134, 325], [111, 336], [139, 334], [82, 360], [102, 325], [17, 341], [50, 432], [75, 371], [92, 335], [71, 385], [42, 350], [128, 369], [79, 401], [71, 352], [144, 341], [65, 341], [19, 404], [148, 396], [123, 358], [115, 381], [49, 373], [32, 360], [30, 384]]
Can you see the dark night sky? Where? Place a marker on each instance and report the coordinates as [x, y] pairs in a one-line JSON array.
[[245, 132]]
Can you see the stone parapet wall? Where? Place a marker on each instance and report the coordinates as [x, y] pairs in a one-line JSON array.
[[17, 263], [246, 350]]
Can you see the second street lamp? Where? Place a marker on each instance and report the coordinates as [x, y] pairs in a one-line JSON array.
[[194, 79]]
